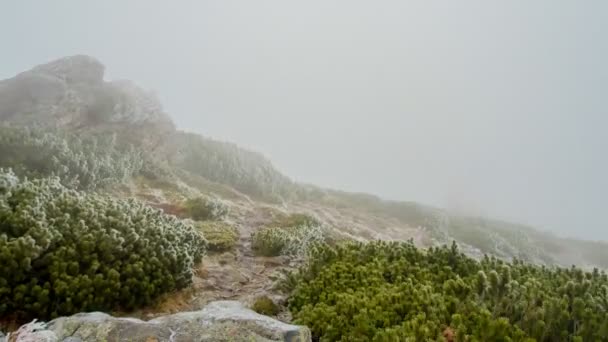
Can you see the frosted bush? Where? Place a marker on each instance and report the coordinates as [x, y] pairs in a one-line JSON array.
[[64, 251], [269, 241], [206, 208], [85, 162], [294, 235], [303, 238], [226, 163]]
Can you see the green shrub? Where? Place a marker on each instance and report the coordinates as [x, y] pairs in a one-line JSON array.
[[204, 208], [265, 306], [292, 235], [392, 291], [220, 236], [63, 251]]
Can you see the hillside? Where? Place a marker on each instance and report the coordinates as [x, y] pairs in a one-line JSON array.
[[123, 166], [70, 95]]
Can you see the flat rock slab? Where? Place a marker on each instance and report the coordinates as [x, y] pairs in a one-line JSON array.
[[218, 321]]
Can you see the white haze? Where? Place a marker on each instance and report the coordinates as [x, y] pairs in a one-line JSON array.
[[489, 107]]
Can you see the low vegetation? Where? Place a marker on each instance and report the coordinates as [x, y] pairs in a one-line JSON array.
[[226, 163], [220, 236], [63, 251], [265, 306], [498, 238], [291, 235], [294, 220], [392, 291], [205, 208], [270, 241]]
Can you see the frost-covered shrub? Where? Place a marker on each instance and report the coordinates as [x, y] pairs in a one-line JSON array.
[[205, 208], [269, 241], [228, 164], [303, 238], [292, 235], [81, 161], [63, 251], [502, 239], [156, 169], [220, 236]]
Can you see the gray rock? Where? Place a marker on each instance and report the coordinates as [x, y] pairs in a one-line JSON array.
[[233, 316], [71, 93], [72, 339], [218, 321], [73, 69], [33, 332]]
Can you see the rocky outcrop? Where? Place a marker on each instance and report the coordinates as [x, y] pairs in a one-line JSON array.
[[218, 321], [77, 69], [71, 93]]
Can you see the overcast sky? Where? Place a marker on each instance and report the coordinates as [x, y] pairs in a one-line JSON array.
[[491, 107]]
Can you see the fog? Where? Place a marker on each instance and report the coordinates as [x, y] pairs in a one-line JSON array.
[[485, 107]]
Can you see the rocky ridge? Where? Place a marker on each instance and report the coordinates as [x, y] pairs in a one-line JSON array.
[[71, 93]]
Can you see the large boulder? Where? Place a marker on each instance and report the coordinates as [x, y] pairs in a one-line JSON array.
[[218, 321]]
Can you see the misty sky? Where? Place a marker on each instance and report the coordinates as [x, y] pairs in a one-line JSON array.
[[490, 107]]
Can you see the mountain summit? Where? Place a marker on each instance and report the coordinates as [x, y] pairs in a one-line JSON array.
[[71, 93]]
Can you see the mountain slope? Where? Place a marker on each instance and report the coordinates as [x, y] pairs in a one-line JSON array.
[[69, 96]]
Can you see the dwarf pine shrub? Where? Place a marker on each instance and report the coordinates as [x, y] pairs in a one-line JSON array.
[[86, 162], [393, 291], [226, 163], [294, 220], [63, 251], [269, 241], [206, 208], [292, 235]]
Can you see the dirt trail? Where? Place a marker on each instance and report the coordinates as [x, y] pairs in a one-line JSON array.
[[240, 275], [234, 275]]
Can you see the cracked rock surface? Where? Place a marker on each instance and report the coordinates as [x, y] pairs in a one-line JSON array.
[[218, 321]]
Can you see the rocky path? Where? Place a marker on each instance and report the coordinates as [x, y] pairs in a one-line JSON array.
[[235, 275], [242, 276]]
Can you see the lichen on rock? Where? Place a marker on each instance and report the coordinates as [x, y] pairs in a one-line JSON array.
[[218, 321]]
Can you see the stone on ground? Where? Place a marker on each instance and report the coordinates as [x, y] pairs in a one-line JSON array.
[[218, 321]]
